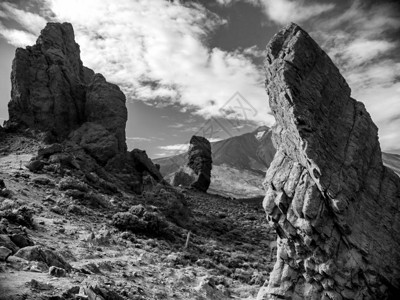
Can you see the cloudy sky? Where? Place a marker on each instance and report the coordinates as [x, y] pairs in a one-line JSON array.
[[195, 67]]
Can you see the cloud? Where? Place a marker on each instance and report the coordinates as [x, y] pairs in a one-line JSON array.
[[169, 150], [213, 140], [18, 38], [361, 43], [157, 52], [139, 139], [31, 22], [286, 11]]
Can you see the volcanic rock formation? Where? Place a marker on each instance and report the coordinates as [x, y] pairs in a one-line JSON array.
[[334, 206], [197, 173], [53, 92]]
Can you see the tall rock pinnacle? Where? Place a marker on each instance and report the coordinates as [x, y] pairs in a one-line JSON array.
[[334, 205], [54, 92]]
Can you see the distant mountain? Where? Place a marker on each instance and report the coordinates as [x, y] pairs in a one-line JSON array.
[[240, 163], [251, 151]]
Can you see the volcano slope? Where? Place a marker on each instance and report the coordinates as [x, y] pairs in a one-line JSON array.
[[333, 203]]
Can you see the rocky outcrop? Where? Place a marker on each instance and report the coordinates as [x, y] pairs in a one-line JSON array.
[[200, 162], [197, 172], [334, 206], [53, 91]]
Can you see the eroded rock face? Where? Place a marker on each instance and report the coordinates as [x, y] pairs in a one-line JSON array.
[[48, 87], [52, 90], [334, 205]]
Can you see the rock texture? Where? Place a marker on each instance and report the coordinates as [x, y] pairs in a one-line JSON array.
[[334, 206], [54, 92]]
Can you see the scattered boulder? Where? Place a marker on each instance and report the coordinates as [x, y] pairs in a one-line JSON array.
[[43, 181], [35, 165], [21, 240], [140, 220], [70, 183], [4, 253], [48, 151], [22, 216], [6, 242], [42, 254], [328, 195], [57, 272]]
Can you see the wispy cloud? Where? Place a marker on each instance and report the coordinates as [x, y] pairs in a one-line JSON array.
[[285, 11], [30, 22], [141, 139], [361, 43]]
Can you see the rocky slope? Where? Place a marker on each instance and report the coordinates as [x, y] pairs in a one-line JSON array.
[[334, 205], [228, 254]]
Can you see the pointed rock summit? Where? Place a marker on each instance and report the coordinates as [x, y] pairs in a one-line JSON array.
[[334, 206]]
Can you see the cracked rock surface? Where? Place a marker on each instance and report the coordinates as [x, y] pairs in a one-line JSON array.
[[333, 203]]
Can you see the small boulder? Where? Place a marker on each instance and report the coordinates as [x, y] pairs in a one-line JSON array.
[[70, 183], [46, 152], [43, 181], [6, 242], [21, 240], [57, 272], [35, 165], [40, 253], [4, 253]]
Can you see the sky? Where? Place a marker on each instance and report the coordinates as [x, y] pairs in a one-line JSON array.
[[196, 67]]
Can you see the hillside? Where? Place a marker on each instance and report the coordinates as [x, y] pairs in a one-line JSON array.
[[228, 255]]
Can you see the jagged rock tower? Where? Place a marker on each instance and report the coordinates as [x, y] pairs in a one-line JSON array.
[[53, 92], [334, 206], [197, 172]]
